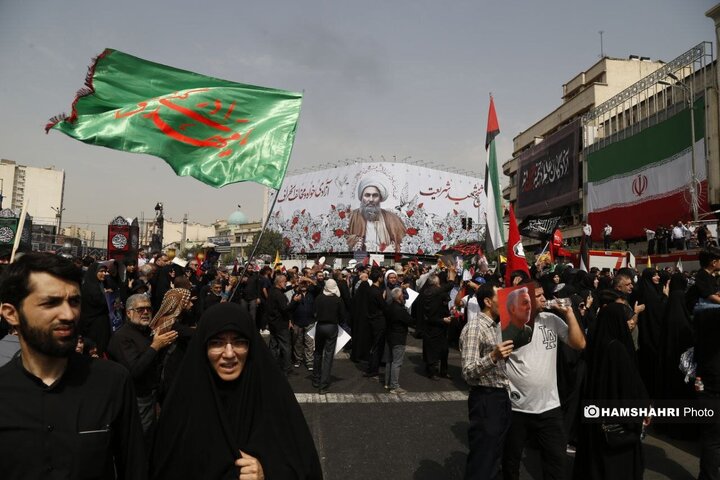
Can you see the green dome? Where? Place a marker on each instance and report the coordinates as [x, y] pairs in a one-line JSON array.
[[237, 218]]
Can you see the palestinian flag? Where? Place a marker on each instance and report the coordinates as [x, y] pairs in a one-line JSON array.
[[494, 234], [642, 181]]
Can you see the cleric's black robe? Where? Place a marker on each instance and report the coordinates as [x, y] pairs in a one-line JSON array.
[[362, 339]]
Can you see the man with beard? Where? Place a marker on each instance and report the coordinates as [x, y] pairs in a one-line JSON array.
[[63, 415], [372, 228], [134, 347], [392, 282], [622, 283]]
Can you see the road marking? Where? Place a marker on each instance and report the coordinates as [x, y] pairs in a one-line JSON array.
[[410, 397]]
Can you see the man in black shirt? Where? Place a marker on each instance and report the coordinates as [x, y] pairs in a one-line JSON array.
[[705, 292], [251, 295], [134, 347], [278, 319], [376, 320], [63, 415]]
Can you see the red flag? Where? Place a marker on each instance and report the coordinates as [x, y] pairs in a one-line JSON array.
[[515, 253]]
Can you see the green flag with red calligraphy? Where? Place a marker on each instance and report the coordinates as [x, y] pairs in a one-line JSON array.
[[217, 131]]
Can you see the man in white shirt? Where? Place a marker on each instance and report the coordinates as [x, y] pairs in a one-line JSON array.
[[678, 236], [587, 233], [607, 232], [532, 373]]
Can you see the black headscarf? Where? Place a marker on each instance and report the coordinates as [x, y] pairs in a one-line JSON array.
[[94, 312], [206, 420], [676, 337], [650, 323]]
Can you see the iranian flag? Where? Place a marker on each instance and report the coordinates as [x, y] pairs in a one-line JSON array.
[[643, 180]]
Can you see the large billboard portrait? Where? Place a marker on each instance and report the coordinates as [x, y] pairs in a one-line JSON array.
[[384, 207]]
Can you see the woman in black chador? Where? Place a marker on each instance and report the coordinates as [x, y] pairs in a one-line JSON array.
[[231, 410], [612, 375], [95, 313], [651, 292]]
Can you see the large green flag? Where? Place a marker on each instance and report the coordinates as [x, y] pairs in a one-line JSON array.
[[217, 131]]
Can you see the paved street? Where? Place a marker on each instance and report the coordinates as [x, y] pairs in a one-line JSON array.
[[362, 432]]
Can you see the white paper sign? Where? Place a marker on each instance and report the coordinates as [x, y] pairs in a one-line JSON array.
[[342, 339], [412, 296]]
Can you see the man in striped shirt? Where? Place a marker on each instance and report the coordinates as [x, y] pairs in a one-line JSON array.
[[483, 368]]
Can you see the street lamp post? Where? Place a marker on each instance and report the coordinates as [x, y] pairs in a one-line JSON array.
[[689, 97]]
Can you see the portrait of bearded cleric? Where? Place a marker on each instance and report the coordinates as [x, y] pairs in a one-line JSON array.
[[372, 228]]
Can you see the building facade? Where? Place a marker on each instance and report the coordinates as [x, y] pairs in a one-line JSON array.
[[85, 235], [607, 114], [42, 188], [236, 235]]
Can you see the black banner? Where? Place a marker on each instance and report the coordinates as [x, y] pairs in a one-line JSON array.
[[548, 173], [542, 227]]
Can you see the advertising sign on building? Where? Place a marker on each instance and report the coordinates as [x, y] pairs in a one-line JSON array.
[[548, 174], [383, 207]]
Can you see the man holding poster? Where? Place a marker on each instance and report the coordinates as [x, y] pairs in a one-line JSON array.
[[532, 372]]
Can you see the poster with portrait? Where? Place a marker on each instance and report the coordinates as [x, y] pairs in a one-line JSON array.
[[517, 311], [385, 208]]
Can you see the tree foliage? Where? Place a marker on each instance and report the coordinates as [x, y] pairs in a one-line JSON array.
[[270, 243]]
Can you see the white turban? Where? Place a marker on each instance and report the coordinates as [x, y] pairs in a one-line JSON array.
[[369, 182]]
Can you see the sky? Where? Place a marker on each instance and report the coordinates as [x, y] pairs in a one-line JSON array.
[[381, 79]]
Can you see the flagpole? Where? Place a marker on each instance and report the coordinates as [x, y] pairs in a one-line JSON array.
[[252, 254], [18, 233]]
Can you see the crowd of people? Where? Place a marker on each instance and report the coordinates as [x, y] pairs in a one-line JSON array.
[[184, 364], [621, 338], [196, 363], [678, 237]]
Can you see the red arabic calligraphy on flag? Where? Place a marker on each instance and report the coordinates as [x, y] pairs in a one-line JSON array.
[[192, 132]]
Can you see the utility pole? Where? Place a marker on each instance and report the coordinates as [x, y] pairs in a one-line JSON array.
[[184, 233], [58, 220]]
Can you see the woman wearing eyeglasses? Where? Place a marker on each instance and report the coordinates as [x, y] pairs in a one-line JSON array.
[[231, 413]]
